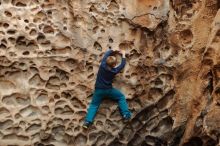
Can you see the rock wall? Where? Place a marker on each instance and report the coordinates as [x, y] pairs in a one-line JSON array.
[[50, 52]]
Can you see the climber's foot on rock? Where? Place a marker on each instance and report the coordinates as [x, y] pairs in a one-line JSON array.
[[126, 119], [86, 125]]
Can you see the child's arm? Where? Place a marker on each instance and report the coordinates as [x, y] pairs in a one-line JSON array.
[[123, 62], [107, 53]]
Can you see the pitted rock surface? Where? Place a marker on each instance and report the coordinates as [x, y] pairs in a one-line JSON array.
[[50, 51]]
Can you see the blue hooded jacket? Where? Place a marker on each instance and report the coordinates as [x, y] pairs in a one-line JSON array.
[[106, 74]]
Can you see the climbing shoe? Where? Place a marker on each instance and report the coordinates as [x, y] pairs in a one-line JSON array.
[[126, 119], [86, 124]]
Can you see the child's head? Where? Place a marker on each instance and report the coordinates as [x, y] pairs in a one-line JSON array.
[[111, 61]]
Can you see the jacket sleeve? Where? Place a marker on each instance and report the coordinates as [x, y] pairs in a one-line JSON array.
[[103, 62], [121, 66]]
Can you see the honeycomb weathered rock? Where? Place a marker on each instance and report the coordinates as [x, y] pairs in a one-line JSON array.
[[50, 52]]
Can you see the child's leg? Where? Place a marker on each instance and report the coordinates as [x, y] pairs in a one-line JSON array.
[[123, 106], [94, 105]]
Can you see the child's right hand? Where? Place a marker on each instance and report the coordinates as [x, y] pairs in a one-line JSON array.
[[123, 52]]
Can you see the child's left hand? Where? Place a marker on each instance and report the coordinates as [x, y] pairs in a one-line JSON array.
[[115, 50]]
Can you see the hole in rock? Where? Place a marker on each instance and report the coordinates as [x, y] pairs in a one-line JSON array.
[[163, 102], [18, 3], [60, 103], [32, 45], [99, 123], [18, 17], [90, 69], [80, 139], [110, 40], [54, 80], [71, 63], [41, 38], [8, 14], [218, 32], [113, 5], [4, 41], [30, 111], [77, 103], [93, 57], [23, 101], [58, 132], [102, 30], [155, 93], [166, 77], [5, 25], [81, 87], [49, 12], [52, 87], [63, 75], [80, 114], [16, 99], [183, 7], [117, 143], [194, 141], [157, 82], [44, 136], [100, 141], [21, 40], [154, 141], [97, 46], [67, 110], [48, 29], [186, 36], [92, 8], [11, 31], [137, 140], [22, 124], [26, 53], [217, 91], [127, 76], [33, 69], [217, 37], [33, 32], [26, 20], [210, 142], [2, 46], [17, 116], [15, 137], [66, 94], [56, 96], [164, 125], [6, 124], [218, 4], [91, 76], [42, 99], [27, 28], [33, 127], [46, 108], [95, 29], [58, 111], [36, 80], [4, 112]]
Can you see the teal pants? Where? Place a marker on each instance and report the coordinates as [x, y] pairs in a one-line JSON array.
[[114, 94]]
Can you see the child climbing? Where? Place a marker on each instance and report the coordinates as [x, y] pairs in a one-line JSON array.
[[103, 87]]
